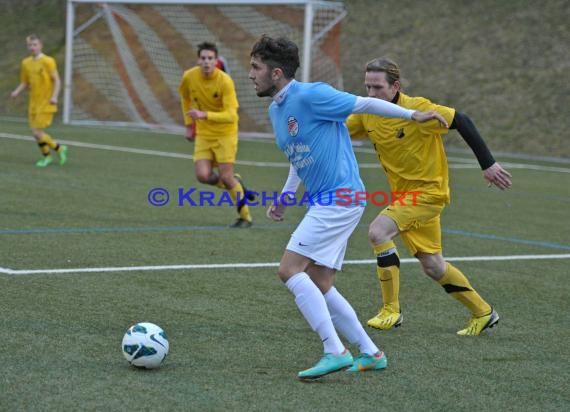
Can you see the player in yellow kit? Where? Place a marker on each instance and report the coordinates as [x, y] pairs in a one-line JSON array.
[[210, 108], [413, 157], [38, 74]]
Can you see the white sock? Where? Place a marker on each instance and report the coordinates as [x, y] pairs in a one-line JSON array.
[[312, 305], [346, 322]]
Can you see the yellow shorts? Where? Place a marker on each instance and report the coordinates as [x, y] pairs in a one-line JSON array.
[[419, 224], [222, 150], [40, 120]]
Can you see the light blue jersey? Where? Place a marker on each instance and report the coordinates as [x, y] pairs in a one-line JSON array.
[[309, 127]]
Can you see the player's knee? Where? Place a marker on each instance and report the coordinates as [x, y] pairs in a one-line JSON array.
[[283, 274], [376, 235], [203, 177]]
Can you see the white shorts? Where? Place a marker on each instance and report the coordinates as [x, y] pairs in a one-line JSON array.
[[323, 234]]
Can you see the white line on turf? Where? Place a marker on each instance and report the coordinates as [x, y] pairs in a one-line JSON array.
[[19, 272], [463, 163]]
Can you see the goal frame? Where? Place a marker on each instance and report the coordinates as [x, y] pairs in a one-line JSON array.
[[71, 31]]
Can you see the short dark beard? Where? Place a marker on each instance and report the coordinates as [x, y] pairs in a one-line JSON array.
[[272, 91]]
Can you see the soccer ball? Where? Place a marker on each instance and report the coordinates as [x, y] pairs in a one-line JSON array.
[[145, 345]]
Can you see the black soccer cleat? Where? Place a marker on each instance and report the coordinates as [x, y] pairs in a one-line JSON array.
[[241, 224]]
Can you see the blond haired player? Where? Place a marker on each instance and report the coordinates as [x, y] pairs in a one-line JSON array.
[[413, 157], [38, 74], [210, 108]]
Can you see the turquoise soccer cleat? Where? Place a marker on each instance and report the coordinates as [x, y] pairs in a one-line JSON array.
[[329, 363], [365, 362]]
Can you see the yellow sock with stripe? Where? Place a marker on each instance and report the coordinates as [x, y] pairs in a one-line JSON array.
[[456, 284], [244, 210], [388, 271], [44, 146], [50, 142]]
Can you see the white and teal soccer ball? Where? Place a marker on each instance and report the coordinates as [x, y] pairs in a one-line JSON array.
[[145, 345]]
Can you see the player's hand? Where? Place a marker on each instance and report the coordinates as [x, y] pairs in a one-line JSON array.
[[14, 94], [190, 133], [276, 212], [496, 175], [53, 100], [425, 116], [196, 114]]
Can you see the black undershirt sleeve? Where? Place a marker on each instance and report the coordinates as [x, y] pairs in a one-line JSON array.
[[465, 127]]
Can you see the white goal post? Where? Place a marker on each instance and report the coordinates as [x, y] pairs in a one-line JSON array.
[[124, 58]]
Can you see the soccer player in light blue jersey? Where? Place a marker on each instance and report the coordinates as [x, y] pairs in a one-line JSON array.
[[309, 125]]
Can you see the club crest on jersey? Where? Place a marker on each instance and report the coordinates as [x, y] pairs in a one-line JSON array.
[[292, 126]]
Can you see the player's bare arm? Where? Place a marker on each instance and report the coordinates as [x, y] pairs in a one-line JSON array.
[[21, 87], [422, 117], [56, 87]]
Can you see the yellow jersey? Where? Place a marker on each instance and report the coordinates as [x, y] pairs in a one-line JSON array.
[[37, 74], [411, 153], [217, 96]]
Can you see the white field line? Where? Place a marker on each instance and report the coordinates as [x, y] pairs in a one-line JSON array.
[[463, 163], [17, 272]]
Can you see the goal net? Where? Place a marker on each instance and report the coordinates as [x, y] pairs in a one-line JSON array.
[[124, 60]]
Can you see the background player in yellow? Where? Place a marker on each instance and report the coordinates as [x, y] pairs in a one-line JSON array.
[[38, 74], [210, 108], [413, 157]]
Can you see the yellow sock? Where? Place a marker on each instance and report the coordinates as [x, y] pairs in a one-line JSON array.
[[49, 141], [388, 271], [44, 147], [244, 211], [455, 283]]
